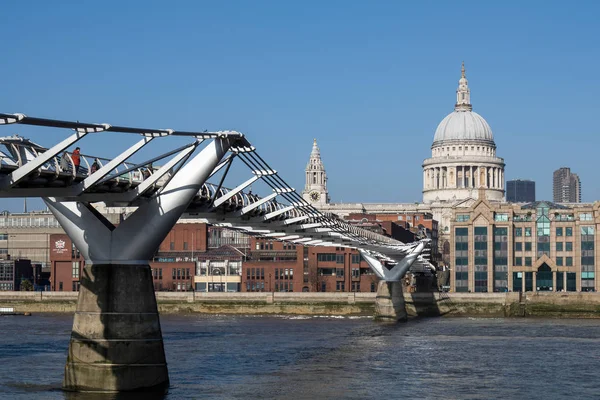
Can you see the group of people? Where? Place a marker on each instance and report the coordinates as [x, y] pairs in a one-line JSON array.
[[76, 160]]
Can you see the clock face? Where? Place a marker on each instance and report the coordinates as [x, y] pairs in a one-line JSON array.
[[315, 196]]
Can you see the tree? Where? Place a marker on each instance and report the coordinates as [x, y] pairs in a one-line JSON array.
[[26, 285]]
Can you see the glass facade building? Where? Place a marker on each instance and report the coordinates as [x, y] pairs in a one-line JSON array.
[[520, 191]]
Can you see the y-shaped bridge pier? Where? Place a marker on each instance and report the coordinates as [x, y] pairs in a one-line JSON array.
[[116, 342]]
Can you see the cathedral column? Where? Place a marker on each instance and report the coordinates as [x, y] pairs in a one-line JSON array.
[[444, 177], [471, 177], [431, 178], [497, 178]]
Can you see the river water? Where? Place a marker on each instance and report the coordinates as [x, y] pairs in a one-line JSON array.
[[249, 357]]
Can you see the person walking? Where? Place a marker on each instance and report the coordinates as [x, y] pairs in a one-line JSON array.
[[95, 166], [76, 157]]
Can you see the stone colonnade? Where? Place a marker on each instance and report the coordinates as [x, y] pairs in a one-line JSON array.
[[465, 176]]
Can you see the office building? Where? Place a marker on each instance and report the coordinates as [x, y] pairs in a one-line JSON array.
[[520, 191]]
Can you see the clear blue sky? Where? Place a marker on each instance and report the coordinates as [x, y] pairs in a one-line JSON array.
[[369, 80]]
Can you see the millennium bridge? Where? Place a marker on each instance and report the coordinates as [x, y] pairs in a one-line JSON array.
[[116, 342]]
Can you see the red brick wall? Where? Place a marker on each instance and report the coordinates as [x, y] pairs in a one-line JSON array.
[[316, 280], [61, 263], [252, 272], [181, 282], [181, 236]]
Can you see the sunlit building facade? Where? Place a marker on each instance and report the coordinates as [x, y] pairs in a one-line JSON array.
[[540, 246]]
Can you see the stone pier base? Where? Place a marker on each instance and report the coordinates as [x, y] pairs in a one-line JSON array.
[[389, 303], [116, 343]]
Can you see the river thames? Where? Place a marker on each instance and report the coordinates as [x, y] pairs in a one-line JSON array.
[[249, 357]]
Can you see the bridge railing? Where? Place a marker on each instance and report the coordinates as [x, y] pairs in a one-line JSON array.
[[16, 151]]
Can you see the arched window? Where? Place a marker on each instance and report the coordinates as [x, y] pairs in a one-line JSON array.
[[446, 249]]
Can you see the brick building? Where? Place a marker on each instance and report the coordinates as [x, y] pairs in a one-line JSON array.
[[66, 264], [283, 267]]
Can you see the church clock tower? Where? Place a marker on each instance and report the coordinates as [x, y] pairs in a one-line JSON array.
[[315, 190]]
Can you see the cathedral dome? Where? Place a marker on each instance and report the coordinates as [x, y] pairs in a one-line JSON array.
[[463, 126]]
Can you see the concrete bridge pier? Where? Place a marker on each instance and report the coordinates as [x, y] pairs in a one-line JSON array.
[[389, 302], [116, 342]]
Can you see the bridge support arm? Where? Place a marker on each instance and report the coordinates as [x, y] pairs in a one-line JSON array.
[[116, 343]]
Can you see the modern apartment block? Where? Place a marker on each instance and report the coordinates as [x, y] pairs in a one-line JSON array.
[[566, 186]]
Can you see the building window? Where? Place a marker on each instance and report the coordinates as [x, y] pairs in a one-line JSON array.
[[356, 286], [527, 246], [500, 259], [569, 261], [75, 269], [326, 257], [568, 231], [339, 272], [462, 217], [461, 259], [355, 258], [585, 217], [355, 273], [528, 261], [501, 217], [60, 286], [339, 258], [518, 246], [587, 258], [160, 273], [559, 261], [323, 286], [559, 246], [172, 246], [569, 246], [527, 231], [518, 261], [185, 245], [559, 231], [75, 286], [339, 286], [481, 257], [518, 232]]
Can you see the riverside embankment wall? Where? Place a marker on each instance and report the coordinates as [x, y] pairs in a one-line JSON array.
[[566, 304]]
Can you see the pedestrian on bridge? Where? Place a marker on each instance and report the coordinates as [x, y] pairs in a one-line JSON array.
[[76, 157], [95, 166]]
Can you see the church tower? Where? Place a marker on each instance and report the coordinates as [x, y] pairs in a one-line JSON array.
[[315, 190]]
